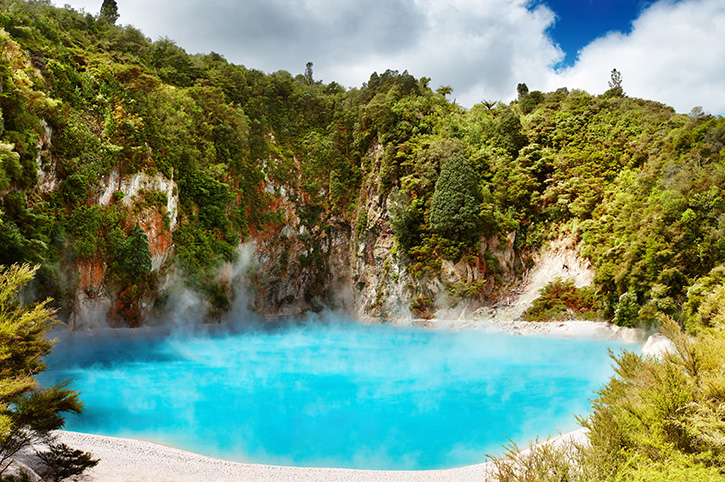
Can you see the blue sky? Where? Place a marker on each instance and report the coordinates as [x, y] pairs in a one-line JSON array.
[[667, 50], [579, 22]]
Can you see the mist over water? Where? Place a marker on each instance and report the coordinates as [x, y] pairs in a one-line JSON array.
[[335, 394]]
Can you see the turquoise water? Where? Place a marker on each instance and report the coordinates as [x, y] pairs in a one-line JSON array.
[[335, 395]]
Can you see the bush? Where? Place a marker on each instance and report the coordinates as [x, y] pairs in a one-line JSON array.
[[543, 462], [28, 413], [561, 300], [656, 420], [627, 310]]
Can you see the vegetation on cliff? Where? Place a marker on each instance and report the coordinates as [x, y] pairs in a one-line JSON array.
[[639, 185]]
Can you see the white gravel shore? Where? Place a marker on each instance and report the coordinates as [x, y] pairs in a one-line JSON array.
[[125, 460]]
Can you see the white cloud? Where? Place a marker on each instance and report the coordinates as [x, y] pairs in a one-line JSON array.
[[482, 48], [673, 55]]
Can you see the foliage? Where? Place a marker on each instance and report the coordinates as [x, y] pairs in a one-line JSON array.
[[548, 461], [561, 300], [62, 462], [640, 185], [456, 202], [133, 258], [109, 11], [664, 413], [28, 413], [615, 84], [658, 419]]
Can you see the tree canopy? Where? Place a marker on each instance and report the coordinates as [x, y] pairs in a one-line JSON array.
[[109, 12], [456, 205]]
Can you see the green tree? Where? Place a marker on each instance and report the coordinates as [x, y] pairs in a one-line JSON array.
[[523, 90], [456, 205], [137, 257], [444, 90], [530, 101], [616, 79], [109, 12], [29, 414], [615, 84], [309, 78], [508, 131], [10, 168]]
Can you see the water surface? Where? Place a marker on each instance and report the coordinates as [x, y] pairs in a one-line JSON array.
[[335, 395]]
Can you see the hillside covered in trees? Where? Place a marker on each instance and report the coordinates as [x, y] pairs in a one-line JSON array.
[[126, 164]]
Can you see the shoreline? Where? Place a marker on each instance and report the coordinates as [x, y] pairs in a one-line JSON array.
[[565, 328], [130, 460]]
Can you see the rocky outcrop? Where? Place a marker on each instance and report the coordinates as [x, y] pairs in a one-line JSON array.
[[304, 258], [558, 259], [95, 302], [300, 264], [47, 177], [385, 288], [381, 286]]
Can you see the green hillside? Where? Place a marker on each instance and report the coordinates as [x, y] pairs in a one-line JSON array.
[[637, 184]]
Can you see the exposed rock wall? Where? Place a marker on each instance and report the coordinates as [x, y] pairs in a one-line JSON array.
[[383, 286], [559, 259], [95, 303], [300, 265], [305, 259]]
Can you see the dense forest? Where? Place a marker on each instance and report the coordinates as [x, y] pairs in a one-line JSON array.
[[639, 186]]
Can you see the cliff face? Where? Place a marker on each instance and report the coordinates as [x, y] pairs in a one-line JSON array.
[[301, 260], [383, 285], [130, 190], [310, 260], [305, 259], [93, 141], [97, 300]]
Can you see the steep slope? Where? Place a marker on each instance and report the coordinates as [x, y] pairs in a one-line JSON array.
[[129, 166]]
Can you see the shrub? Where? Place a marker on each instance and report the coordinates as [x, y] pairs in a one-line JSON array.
[[656, 420], [28, 413], [560, 300], [627, 309]]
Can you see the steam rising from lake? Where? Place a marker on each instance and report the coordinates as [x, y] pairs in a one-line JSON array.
[[332, 393]]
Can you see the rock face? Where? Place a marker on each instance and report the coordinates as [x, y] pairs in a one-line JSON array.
[[558, 259], [658, 345], [305, 259], [380, 287], [382, 284], [95, 303], [312, 260], [130, 189], [302, 262]]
